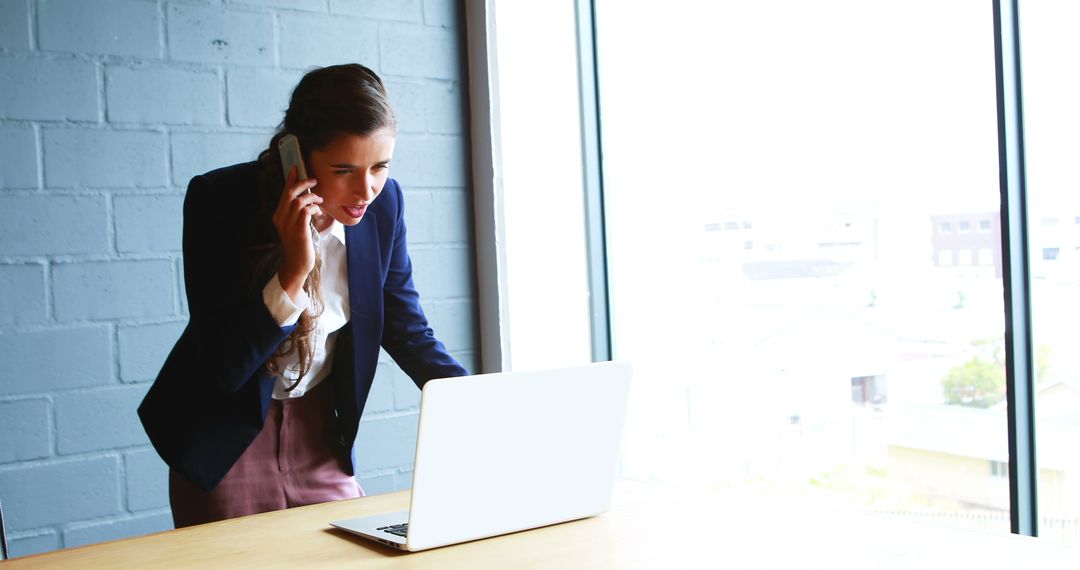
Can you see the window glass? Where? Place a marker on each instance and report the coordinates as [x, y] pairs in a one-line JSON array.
[[540, 186], [1051, 123], [828, 343]]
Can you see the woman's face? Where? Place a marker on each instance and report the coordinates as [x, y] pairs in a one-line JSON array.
[[351, 172]]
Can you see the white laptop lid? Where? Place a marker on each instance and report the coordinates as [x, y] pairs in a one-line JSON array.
[[498, 453]]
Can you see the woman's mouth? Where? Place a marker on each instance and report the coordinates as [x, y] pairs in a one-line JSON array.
[[355, 211]]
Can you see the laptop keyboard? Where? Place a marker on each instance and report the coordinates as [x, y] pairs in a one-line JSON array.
[[396, 529]]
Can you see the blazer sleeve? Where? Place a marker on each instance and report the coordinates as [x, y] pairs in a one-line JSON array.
[[407, 337], [231, 332]]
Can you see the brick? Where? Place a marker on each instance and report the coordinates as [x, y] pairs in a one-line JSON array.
[[384, 443], [445, 111], [23, 299], [42, 495], [15, 25], [147, 481], [467, 359], [441, 13], [419, 51], [401, 10], [453, 217], [113, 289], [308, 41], [34, 544], [308, 5], [403, 480], [406, 393], [389, 380], [58, 224], [143, 349], [197, 153], [28, 429], [112, 27], [381, 397], [259, 98], [182, 290], [45, 361], [442, 273], [98, 158], [101, 419], [409, 104], [454, 323], [377, 485], [430, 161], [148, 223], [218, 35], [159, 95], [48, 90], [91, 533], [420, 217], [434, 107], [18, 157]]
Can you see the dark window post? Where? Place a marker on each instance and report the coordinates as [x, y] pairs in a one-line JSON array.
[[1023, 474]]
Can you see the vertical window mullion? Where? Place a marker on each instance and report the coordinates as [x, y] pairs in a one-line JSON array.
[[1016, 271], [599, 315]]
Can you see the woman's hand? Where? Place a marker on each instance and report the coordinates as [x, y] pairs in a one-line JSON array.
[[292, 218]]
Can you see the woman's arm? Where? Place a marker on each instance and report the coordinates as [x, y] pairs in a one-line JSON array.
[[407, 337], [230, 328]]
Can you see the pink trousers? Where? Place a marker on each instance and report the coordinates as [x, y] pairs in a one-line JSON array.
[[292, 462]]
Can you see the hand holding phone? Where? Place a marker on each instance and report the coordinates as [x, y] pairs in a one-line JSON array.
[[293, 219]]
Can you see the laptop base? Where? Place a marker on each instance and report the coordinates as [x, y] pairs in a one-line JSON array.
[[368, 527]]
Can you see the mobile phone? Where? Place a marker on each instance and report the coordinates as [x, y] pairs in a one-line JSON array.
[[289, 149]]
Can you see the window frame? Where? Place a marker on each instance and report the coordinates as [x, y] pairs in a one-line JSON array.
[[1016, 255]]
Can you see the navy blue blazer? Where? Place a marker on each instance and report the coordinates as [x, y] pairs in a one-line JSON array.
[[212, 394]]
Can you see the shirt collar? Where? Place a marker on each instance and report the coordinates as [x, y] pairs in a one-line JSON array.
[[336, 229]]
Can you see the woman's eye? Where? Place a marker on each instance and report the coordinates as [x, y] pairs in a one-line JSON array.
[[342, 172]]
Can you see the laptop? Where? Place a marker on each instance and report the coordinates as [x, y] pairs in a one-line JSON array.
[[501, 453]]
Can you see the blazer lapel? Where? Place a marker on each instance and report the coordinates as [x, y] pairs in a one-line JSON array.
[[365, 271]]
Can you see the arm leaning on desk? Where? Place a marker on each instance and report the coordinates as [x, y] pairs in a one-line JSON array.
[[650, 526]]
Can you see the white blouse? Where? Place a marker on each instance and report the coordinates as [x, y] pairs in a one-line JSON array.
[[335, 294]]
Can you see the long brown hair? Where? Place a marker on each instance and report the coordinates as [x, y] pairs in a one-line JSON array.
[[328, 102]]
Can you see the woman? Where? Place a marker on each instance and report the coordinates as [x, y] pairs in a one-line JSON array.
[[292, 287]]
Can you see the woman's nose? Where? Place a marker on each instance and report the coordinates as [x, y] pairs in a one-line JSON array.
[[365, 191]]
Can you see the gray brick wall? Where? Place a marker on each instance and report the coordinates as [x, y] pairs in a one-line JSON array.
[[107, 110]]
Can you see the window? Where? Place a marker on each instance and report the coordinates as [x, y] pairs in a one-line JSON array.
[[761, 355], [777, 92], [963, 227], [999, 469], [1051, 101], [963, 257], [545, 267], [945, 258], [868, 390]]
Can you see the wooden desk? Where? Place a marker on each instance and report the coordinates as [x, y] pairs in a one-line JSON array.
[[650, 526]]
